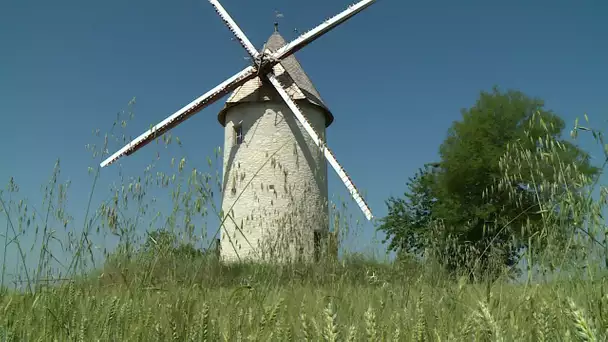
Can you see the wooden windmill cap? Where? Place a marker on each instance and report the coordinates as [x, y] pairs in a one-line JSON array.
[[300, 88]]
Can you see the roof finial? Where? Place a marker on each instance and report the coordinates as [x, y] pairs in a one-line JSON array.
[[276, 26]]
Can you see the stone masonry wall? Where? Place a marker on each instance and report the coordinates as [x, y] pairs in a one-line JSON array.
[[282, 202]]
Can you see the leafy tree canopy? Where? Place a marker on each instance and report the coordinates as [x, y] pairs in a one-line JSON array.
[[447, 205]]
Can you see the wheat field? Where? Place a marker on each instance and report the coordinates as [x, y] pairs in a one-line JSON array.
[[335, 303]]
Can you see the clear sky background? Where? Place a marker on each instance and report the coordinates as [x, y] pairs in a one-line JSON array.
[[395, 76]]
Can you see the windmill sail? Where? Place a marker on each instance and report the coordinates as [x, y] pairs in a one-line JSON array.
[[286, 51], [322, 29], [326, 151], [183, 114], [240, 36], [280, 55]]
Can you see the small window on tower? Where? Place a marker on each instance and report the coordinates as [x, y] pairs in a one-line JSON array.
[[238, 134]]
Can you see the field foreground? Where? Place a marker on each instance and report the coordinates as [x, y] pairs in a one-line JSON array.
[[194, 300]]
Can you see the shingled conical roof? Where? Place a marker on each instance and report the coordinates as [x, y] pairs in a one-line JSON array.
[[297, 83]]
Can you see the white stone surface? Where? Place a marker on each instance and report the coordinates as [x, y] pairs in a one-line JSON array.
[[274, 183]]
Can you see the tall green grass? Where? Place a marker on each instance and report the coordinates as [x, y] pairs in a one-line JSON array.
[[167, 283]]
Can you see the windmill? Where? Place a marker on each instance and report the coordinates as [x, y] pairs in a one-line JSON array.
[[274, 150]]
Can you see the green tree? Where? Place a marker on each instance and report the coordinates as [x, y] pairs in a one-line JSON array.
[[166, 243], [410, 216], [448, 209]]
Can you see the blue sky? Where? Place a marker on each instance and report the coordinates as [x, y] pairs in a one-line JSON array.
[[395, 77]]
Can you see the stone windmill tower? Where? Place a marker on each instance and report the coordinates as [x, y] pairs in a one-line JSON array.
[[275, 172], [283, 210]]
